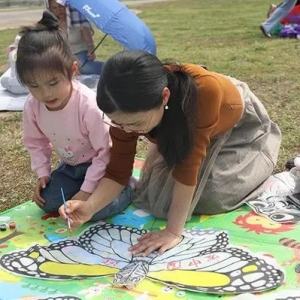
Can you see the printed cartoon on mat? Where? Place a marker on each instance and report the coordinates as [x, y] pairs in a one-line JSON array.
[[294, 246], [260, 224]]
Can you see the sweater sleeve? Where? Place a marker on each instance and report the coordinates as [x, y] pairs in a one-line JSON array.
[[122, 155], [99, 138], [210, 100], [36, 142]]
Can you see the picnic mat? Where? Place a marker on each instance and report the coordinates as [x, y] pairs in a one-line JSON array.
[[40, 260]]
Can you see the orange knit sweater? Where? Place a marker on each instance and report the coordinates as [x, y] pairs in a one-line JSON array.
[[220, 108]]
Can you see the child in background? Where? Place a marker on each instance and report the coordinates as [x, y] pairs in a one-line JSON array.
[[61, 114], [9, 79], [80, 37], [14, 45]]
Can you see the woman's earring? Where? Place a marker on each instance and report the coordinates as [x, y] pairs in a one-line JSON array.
[[166, 107]]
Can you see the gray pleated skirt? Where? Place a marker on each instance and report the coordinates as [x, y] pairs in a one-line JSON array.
[[236, 165]]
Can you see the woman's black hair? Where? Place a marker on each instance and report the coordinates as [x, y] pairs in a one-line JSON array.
[[133, 81], [43, 47]]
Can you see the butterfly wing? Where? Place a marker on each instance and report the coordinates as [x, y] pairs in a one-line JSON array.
[[60, 298], [111, 241], [193, 244], [59, 261], [100, 250], [228, 270]]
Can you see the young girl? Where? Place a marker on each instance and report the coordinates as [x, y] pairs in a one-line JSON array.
[[61, 114], [214, 143]]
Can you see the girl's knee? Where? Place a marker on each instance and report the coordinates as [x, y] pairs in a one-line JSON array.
[[52, 204], [49, 208]]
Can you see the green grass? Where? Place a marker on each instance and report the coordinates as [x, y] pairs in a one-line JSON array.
[[224, 35]]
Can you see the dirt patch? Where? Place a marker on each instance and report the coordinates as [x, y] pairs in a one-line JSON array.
[[6, 114]]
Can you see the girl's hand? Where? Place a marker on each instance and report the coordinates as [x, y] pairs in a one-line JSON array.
[[156, 240], [41, 184], [78, 211]]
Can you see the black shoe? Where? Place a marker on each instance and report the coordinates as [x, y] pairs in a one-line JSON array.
[[290, 163]]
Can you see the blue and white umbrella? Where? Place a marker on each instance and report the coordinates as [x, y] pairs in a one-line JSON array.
[[118, 21]]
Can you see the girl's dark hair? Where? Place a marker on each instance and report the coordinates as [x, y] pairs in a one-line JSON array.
[[133, 81], [43, 47]]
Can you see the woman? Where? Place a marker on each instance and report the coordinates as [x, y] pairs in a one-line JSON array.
[[214, 142], [79, 36]]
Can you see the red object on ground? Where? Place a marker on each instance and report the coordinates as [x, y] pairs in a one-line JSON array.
[[12, 225], [293, 17], [50, 216]]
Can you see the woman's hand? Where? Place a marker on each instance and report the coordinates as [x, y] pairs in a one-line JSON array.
[[78, 211], [157, 240]]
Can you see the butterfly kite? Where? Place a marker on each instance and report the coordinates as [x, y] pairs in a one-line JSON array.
[[202, 262]]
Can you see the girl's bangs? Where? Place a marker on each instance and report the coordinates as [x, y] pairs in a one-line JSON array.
[[35, 66]]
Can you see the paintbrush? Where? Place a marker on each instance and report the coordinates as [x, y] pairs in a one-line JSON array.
[[65, 206]]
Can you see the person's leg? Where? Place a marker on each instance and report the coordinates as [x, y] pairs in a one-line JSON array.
[[246, 159], [70, 178], [118, 205], [89, 66], [279, 13], [81, 56], [92, 67]]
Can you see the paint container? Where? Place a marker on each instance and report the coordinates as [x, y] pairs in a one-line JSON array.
[[12, 225], [3, 227]]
